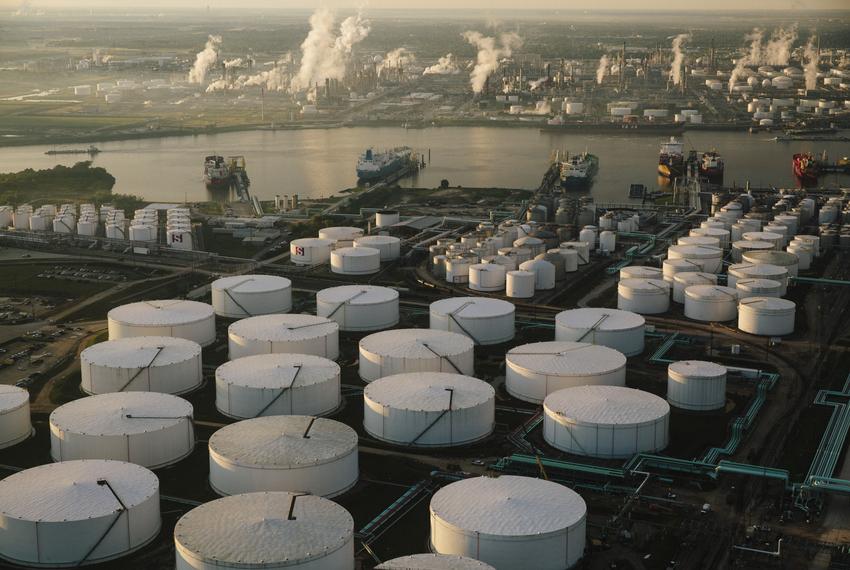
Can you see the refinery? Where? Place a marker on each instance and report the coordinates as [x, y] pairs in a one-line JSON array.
[[394, 374]]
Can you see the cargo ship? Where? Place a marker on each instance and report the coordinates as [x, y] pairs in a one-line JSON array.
[[671, 160], [806, 169], [374, 166], [711, 168], [216, 172], [91, 151], [578, 170]]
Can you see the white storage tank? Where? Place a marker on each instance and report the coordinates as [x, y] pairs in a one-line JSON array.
[[509, 521], [386, 218], [277, 385], [243, 296], [310, 251], [779, 258], [670, 267], [607, 241], [536, 245], [147, 428], [142, 233], [389, 246], [116, 231], [299, 454], [52, 515], [721, 235], [711, 303], [429, 409], [399, 351], [767, 316], [487, 277], [707, 241], [431, 561], [168, 317], [570, 258], [179, 238], [486, 321], [544, 273], [771, 237], [813, 241], [740, 247], [696, 385], [710, 257], [641, 272], [359, 307], [643, 296], [682, 281], [342, 236], [588, 235], [606, 421], [15, 424], [355, 260], [620, 330], [532, 371], [760, 271], [289, 334], [757, 288], [520, 284], [264, 531], [141, 364], [581, 248], [804, 252], [86, 227], [509, 263], [457, 269]]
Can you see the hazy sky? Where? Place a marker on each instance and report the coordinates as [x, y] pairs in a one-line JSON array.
[[484, 5]]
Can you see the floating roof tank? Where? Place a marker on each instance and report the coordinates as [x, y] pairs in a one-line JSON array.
[[173, 317], [711, 303], [644, 296], [415, 350], [696, 385], [15, 424], [359, 307], [431, 561], [620, 330], [640, 272], [486, 321], [292, 334], [243, 296], [767, 316]]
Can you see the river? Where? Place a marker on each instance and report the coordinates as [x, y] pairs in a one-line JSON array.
[[321, 162]]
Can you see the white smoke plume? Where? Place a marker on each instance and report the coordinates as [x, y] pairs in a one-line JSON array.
[[399, 57], [205, 60], [324, 53], [489, 55], [678, 58], [777, 50], [446, 65], [752, 57], [810, 69], [236, 62], [537, 84], [602, 69]]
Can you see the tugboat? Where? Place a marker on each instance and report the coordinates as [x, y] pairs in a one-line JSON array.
[[578, 170], [806, 169], [216, 172], [671, 160], [711, 168]]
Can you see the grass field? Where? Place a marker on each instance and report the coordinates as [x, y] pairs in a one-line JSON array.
[[23, 280]]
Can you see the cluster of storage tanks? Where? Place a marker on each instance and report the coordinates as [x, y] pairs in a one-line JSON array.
[[347, 249]]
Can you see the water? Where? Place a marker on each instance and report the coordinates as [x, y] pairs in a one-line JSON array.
[[320, 163]]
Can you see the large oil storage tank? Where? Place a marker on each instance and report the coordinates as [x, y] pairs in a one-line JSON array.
[[399, 351], [620, 330], [359, 307], [485, 321], [432, 561], [272, 530], [520, 284], [389, 246], [299, 454], [55, 515], [276, 334], [532, 371], [243, 296], [342, 236], [711, 303], [487, 277], [355, 260], [544, 273], [605, 421], [643, 296], [386, 218], [641, 272], [757, 288], [670, 267], [141, 364], [779, 258], [696, 385], [15, 424], [682, 281], [740, 247], [429, 409], [310, 251], [276, 385], [146, 428], [770, 237], [710, 257], [722, 235], [509, 521], [707, 241], [767, 316], [172, 317], [761, 271]]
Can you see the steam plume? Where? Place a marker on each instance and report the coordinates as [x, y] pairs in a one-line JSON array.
[[810, 69], [752, 57], [228, 63], [205, 60], [446, 65], [778, 49], [602, 70], [489, 55], [399, 57], [678, 58]]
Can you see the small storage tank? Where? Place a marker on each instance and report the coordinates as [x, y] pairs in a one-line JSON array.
[[779, 258], [707, 241], [147, 428], [142, 233], [429, 409], [520, 284], [486, 321], [487, 277], [342, 236], [814, 241], [359, 307], [710, 257], [757, 288], [620, 330], [670, 267], [310, 251], [509, 263], [804, 254], [682, 281], [53, 515], [570, 257], [711, 303], [771, 237], [170, 317], [607, 241], [431, 561], [605, 421], [389, 246], [457, 269], [544, 273], [696, 385], [721, 235], [761, 271], [277, 385], [400, 351], [739, 248], [588, 235], [557, 262], [179, 238], [767, 316], [265, 530], [536, 245], [141, 364], [582, 249], [643, 296], [15, 424], [532, 371], [355, 260], [640, 272], [299, 454], [116, 231], [284, 334], [508, 521], [243, 296], [386, 218], [86, 227]]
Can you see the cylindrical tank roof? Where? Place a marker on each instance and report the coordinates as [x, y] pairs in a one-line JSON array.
[[248, 295], [607, 405], [357, 294], [473, 307], [696, 369], [414, 350], [161, 312], [427, 391], [431, 561], [565, 358], [293, 333]]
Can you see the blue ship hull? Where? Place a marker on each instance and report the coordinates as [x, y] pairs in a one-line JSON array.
[[372, 175]]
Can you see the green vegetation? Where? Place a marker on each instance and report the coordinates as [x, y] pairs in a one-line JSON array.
[[393, 196], [23, 279]]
